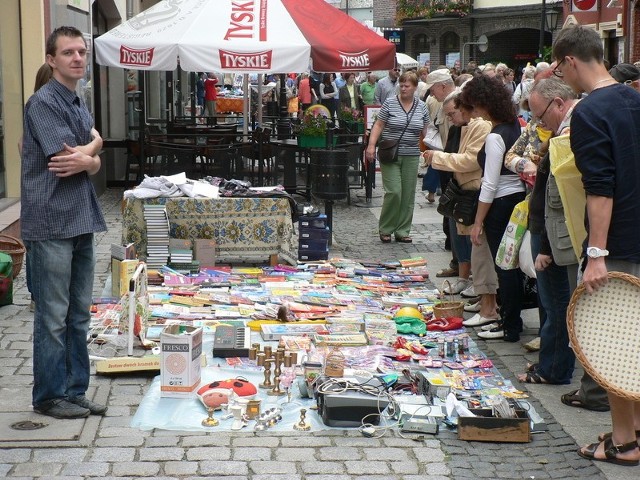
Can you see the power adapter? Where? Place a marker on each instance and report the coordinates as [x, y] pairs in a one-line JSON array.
[[368, 432]]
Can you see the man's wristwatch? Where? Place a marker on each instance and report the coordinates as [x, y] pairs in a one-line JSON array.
[[595, 252]]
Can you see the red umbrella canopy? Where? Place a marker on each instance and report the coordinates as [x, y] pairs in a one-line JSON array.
[[244, 36]]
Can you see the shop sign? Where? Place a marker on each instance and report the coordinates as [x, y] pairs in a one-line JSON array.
[[584, 5]]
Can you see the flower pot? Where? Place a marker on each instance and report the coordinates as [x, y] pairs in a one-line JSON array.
[[355, 127], [307, 141]]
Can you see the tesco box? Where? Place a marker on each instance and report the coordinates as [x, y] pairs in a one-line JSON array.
[[180, 368]]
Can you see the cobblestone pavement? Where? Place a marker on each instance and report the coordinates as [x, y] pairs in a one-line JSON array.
[[108, 448]]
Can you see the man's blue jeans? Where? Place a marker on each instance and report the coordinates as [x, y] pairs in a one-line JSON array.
[[62, 287], [556, 359]]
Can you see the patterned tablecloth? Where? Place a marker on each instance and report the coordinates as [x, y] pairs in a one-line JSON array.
[[224, 104], [243, 228]]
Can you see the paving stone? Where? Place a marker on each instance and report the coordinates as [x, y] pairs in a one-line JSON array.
[[15, 455], [382, 453], [211, 441], [131, 441], [208, 453], [253, 453], [307, 442], [311, 467], [161, 454], [427, 455], [62, 455], [153, 442], [268, 467], [405, 467], [366, 467], [335, 453], [181, 468], [36, 469], [276, 477], [328, 477], [114, 454], [294, 454], [255, 441], [221, 468], [86, 469], [359, 441], [136, 469]]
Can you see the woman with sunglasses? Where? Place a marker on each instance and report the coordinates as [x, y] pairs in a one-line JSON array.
[[501, 190]]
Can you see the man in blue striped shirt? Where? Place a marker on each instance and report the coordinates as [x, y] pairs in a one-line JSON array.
[[59, 216]]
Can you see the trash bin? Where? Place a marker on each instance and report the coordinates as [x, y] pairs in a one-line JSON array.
[[329, 173]]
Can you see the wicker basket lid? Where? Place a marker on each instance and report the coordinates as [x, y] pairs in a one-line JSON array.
[[604, 329]]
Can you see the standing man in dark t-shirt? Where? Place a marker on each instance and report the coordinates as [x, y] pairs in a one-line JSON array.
[[59, 215], [605, 139]]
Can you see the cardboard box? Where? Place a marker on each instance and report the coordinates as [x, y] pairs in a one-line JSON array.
[[180, 367], [121, 273], [205, 251], [486, 428]]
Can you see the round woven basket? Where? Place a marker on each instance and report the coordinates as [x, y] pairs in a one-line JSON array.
[[15, 248], [604, 330], [448, 308]]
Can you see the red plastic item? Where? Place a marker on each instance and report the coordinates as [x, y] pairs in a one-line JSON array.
[[444, 324]]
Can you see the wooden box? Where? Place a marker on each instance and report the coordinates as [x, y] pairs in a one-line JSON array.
[[486, 428]]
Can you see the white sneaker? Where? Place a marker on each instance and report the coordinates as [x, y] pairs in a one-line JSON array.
[[494, 333], [460, 285], [486, 328], [468, 292], [472, 307], [477, 320]]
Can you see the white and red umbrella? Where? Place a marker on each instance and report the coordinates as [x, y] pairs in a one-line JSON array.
[[244, 36]]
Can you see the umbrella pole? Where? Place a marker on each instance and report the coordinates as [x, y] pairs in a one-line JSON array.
[[284, 126]]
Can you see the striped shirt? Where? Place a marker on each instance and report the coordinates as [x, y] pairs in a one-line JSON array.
[[396, 118], [55, 208]]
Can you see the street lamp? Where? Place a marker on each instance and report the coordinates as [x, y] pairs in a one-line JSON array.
[[548, 21], [552, 16]]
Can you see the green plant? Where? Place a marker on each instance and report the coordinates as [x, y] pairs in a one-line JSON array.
[[350, 115], [313, 124], [411, 9]]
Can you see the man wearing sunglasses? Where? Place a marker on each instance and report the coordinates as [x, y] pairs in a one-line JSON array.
[[605, 128]]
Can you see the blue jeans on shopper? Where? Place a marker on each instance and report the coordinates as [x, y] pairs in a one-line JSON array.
[[556, 359], [431, 180], [62, 287], [510, 286]]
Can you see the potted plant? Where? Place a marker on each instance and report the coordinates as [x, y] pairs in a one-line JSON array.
[[352, 119], [312, 130]]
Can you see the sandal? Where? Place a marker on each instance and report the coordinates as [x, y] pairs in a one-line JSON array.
[[447, 272], [610, 452], [385, 238], [531, 377], [531, 367], [603, 436], [572, 399], [404, 239]]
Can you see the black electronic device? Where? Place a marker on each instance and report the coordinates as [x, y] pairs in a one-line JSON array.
[[347, 407], [231, 341]]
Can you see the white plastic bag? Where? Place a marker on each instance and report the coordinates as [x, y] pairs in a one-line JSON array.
[[525, 262]]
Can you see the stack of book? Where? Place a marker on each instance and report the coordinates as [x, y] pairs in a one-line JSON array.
[[157, 222]]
